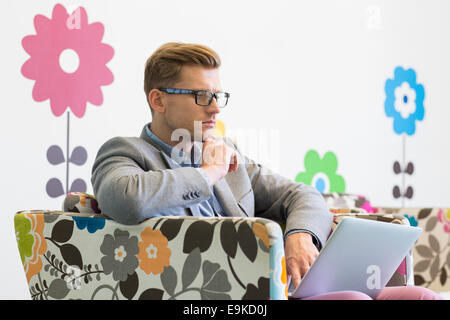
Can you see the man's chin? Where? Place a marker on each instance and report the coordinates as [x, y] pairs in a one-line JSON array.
[[205, 133]]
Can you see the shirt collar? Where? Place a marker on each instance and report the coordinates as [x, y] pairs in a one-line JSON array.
[[185, 160]]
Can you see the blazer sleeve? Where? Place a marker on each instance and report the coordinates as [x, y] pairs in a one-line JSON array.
[[298, 205], [129, 194]]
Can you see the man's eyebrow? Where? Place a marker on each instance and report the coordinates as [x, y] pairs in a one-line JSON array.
[[208, 89]]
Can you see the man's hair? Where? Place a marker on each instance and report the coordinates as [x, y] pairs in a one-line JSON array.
[[163, 67]]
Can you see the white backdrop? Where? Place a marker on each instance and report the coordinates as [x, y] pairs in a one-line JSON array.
[[311, 72]]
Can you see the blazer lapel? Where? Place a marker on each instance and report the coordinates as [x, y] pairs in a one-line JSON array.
[[227, 200]]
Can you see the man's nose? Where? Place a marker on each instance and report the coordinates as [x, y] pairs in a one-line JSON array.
[[213, 107]]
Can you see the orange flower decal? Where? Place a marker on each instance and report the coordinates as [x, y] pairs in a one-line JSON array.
[[31, 241], [260, 231], [153, 252]]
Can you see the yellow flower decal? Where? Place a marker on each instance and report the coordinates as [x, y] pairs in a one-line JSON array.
[[153, 252], [219, 131]]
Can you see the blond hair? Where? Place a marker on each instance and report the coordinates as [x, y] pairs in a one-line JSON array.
[[163, 67]]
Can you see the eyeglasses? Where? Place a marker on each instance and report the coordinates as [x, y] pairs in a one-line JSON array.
[[202, 97]]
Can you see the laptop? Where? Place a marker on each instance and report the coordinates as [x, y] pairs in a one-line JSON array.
[[361, 255]]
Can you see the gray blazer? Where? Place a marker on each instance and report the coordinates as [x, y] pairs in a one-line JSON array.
[[134, 180]]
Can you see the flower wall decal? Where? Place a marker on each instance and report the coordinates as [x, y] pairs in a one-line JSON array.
[[404, 103], [54, 39], [68, 63], [321, 173]]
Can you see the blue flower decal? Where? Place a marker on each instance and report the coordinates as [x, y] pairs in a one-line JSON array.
[[92, 224], [404, 100], [412, 220]]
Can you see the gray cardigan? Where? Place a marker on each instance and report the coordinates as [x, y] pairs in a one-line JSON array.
[[134, 180]]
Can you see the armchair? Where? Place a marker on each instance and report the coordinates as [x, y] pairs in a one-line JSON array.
[[78, 253]]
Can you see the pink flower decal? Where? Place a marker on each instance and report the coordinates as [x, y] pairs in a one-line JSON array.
[[61, 36]]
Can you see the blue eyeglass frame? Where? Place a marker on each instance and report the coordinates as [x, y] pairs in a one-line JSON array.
[[195, 93]]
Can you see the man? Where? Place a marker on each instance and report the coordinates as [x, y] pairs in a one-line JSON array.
[[138, 178], [155, 175]]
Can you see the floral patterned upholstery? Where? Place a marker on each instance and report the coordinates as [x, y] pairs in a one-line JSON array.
[[432, 251], [87, 256], [348, 201], [78, 253]]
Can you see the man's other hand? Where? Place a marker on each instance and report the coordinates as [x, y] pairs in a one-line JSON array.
[[300, 253]]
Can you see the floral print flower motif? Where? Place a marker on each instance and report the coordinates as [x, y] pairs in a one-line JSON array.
[[55, 39], [404, 100], [412, 220], [368, 207], [321, 173], [259, 292], [120, 253], [261, 232], [402, 268], [153, 253], [31, 242], [445, 219], [91, 223], [284, 276]]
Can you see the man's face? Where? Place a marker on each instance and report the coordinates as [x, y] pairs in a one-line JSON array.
[[181, 109]]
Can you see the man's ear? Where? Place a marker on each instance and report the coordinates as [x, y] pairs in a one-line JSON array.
[[156, 100]]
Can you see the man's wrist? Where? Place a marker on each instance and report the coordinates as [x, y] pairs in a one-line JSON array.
[[300, 234], [314, 238], [212, 174]]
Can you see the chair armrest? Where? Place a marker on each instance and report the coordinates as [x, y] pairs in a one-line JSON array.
[[69, 255], [432, 250]]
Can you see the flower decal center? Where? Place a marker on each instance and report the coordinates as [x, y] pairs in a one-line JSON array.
[[321, 182], [69, 60], [405, 98]]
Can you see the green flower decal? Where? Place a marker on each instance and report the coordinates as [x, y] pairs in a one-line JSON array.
[[321, 173]]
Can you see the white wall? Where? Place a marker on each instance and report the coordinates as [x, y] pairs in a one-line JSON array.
[[311, 71]]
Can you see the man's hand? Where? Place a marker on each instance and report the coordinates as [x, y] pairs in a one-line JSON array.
[[300, 253], [218, 159]]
